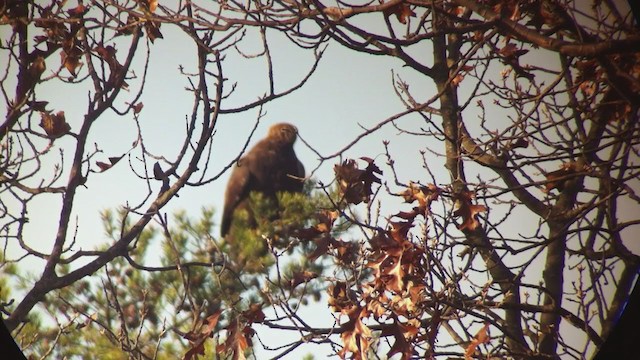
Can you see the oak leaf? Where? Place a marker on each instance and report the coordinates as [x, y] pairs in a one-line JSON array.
[[238, 340], [78, 11], [301, 277], [322, 247], [325, 220], [40, 106], [481, 337], [54, 125], [461, 74], [37, 67], [394, 275], [254, 314], [403, 335], [355, 335], [153, 5], [511, 51], [132, 25], [346, 251], [557, 179], [510, 55], [71, 59], [381, 242], [197, 338], [112, 161], [153, 30], [401, 10], [32, 76], [355, 183], [341, 298], [159, 174], [467, 210], [399, 230], [425, 195], [378, 306], [137, 108]]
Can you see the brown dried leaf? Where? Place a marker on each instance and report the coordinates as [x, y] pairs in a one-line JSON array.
[[37, 67], [588, 88], [402, 12], [520, 143], [557, 179], [158, 173], [197, 338], [377, 303], [382, 242], [103, 166], [394, 275], [78, 11], [326, 219], [153, 30], [356, 335], [152, 4], [107, 53], [54, 125], [346, 252], [254, 314], [238, 340], [481, 337], [478, 36], [587, 70], [511, 51], [355, 184], [423, 194], [137, 108], [403, 334], [341, 298], [132, 25], [399, 230], [71, 60], [38, 105], [301, 277], [457, 79], [114, 159], [322, 247], [457, 10], [32, 76], [461, 74], [467, 210], [408, 215]]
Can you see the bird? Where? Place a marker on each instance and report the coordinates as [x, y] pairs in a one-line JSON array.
[[271, 166]]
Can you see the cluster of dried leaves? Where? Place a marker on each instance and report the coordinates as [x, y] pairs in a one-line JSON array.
[[396, 298], [393, 300], [64, 32], [238, 334]]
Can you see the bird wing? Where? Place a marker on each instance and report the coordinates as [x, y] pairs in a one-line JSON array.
[[238, 189]]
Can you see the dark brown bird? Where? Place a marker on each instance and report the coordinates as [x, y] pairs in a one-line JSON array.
[[271, 166]]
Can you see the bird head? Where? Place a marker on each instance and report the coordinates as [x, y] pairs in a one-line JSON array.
[[283, 133]]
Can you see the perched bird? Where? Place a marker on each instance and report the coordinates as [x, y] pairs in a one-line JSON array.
[[271, 166]]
